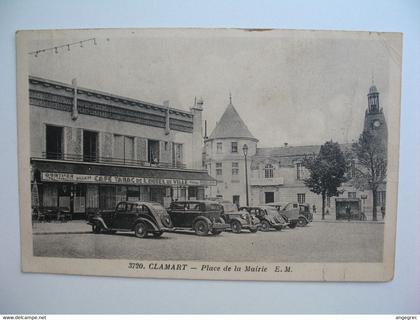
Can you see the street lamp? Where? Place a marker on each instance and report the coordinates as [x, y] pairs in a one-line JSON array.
[[245, 151]]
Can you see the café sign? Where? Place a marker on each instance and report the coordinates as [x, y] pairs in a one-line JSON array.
[[102, 179]]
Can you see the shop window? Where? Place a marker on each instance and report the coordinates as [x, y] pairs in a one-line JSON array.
[[234, 147], [219, 169], [133, 193], [144, 193], [301, 198], [235, 168], [49, 195], [268, 171], [90, 146], [153, 151], [54, 142], [107, 197], [120, 193], [192, 193]]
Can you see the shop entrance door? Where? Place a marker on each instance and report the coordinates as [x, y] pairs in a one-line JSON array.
[[269, 197]]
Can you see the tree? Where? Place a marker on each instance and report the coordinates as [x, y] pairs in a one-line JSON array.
[[327, 171], [370, 170]]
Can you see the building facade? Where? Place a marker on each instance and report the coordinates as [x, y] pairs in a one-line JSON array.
[[91, 149], [277, 174]]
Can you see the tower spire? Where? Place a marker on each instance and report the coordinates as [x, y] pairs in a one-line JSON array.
[[230, 97]]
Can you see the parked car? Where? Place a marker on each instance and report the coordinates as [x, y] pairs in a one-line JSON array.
[[141, 217], [239, 220], [269, 217], [202, 216], [289, 213], [303, 209]]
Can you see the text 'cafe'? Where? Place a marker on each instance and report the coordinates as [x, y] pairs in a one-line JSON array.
[[96, 187]]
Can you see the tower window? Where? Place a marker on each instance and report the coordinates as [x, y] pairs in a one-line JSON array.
[[219, 147], [219, 170], [234, 147]]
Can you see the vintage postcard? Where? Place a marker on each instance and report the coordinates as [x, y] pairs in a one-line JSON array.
[[226, 154]]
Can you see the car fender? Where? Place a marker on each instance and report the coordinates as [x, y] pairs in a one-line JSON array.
[[149, 222], [240, 220], [95, 220], [202, 218], [302, 216]]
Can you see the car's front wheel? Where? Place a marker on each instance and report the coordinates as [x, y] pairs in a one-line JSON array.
[[265, 226], [140, 230], [236, 226], [301, 222], [201, 228]]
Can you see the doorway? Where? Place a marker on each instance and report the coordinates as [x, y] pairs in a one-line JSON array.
[[269, 197]]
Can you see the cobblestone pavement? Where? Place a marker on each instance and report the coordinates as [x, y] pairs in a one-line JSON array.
[[317, 242]]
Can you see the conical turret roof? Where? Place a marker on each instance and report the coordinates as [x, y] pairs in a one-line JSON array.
[[231, 125]]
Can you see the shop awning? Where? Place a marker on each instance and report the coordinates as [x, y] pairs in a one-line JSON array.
[[72, 172]]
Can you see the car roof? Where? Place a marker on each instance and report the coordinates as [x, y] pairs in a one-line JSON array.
[[196, 201], [150, 203]]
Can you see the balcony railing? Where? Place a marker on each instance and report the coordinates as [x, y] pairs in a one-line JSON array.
[[93, 158]]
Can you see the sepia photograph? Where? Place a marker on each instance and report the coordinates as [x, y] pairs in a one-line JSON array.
[[239, 154]]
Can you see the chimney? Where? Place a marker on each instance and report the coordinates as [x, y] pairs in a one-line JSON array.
[[286, 144]]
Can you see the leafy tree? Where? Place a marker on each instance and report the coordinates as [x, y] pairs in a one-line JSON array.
[[370, 170], [326, 171]]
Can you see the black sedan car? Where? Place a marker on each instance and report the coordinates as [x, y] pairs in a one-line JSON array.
[[141, 217]]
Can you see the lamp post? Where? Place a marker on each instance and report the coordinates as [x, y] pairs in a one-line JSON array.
[[245, 151]]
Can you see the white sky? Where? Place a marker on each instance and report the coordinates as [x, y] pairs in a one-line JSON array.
[[301, 88]]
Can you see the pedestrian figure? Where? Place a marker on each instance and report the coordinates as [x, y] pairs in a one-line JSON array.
[[383, 212], [348, 212], [314, 209]]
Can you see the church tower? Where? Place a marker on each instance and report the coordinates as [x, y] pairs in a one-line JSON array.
[[374, 116]]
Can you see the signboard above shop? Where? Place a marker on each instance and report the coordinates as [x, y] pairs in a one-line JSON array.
[[105, 179]]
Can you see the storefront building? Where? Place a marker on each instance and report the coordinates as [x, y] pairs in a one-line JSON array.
[[90, 150]]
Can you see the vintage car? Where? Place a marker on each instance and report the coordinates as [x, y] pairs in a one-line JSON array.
[[202, 216], [305, 214], [269, 217], [141, 217], [291, 214], [239, 220]]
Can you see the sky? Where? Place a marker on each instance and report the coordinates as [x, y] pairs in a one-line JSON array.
[[302, 88]]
